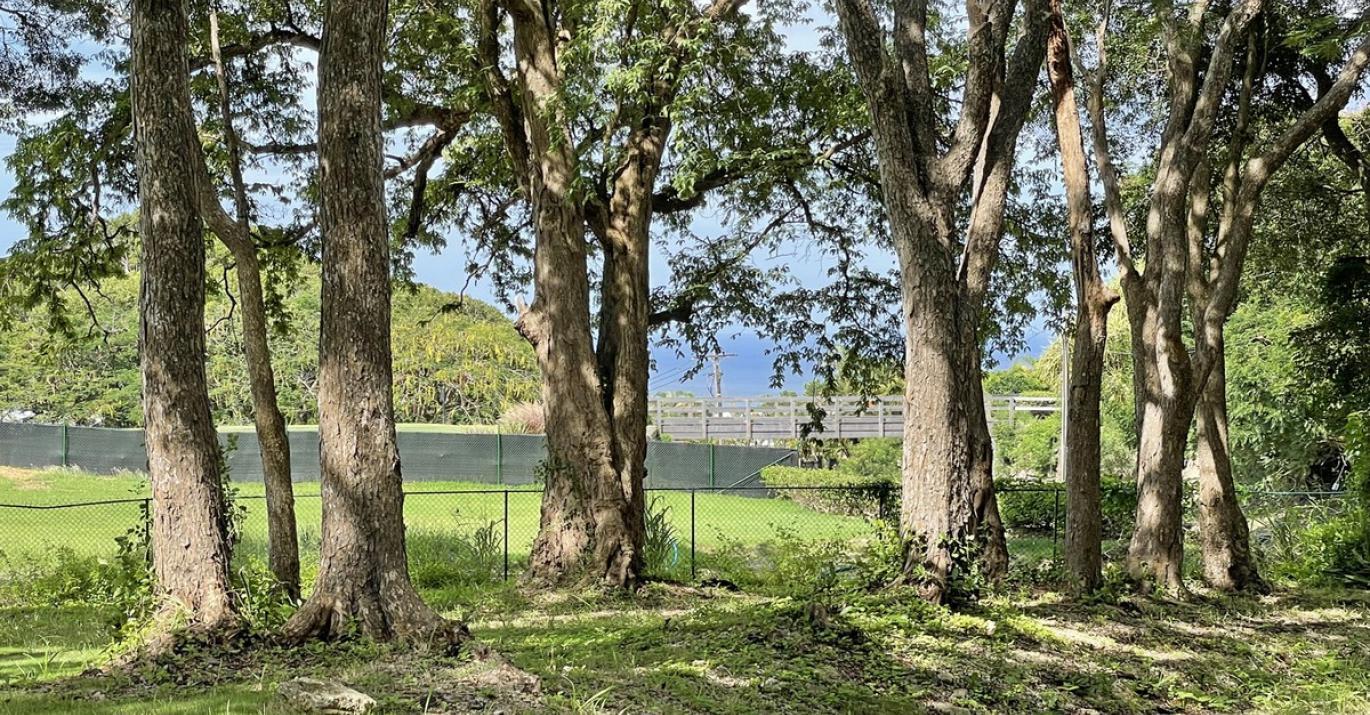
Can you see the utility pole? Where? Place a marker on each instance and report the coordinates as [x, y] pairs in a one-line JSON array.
[[717, 359]]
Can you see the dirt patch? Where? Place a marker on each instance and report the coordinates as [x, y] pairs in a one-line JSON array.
[[23, 479]]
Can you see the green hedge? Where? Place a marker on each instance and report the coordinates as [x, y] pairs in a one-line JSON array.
[[1032, 505], [851, 495], [1024, 505]]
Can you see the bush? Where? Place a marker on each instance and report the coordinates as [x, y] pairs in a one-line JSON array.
[[1032, 505], [834, 491], [523, 418], [660, 547], [1333, 550], [874, 459]]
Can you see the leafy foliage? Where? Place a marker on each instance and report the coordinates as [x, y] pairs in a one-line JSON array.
[[459, 366]]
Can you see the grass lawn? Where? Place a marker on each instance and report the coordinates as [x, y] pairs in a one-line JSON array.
[[789, 641], [674, 649], [430, 509]]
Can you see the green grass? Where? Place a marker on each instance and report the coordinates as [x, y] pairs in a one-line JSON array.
[[791, 641], [674, 650], [90, 530]]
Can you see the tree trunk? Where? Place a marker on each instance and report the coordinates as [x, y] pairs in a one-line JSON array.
[[1165, 410], [283, 553], [189, 528], [1084, 555], [1223, 533], [992, 544], [937, 513], [591, 525], [363, 582]]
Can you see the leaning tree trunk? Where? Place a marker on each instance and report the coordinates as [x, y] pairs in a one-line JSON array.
[[273, 444], [1084, 554], [189, 528], [363, 582], [1224, 536], [283, 553]]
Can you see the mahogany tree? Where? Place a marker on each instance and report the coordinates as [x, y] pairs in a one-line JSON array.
[[926, 165], [363, 582], [190, 543], [1193, 264]]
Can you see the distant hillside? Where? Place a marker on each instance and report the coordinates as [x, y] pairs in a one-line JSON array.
[[458, 367]]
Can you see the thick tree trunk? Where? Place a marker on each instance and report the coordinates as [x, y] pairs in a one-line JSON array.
[[591, 525], [1084, 557], [189, 529], [1165, 409], [937, 513], [283, 553], [363, 580], [1223, 533]]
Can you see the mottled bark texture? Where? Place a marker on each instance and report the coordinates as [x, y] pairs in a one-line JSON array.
[[948, 514], [283, 554], [1093, 300], [1185, 264], [189, 529], [594, 392], [363, 583], [1215, 272]]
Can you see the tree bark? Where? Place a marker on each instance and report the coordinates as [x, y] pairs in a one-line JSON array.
[[1093, 300], [189, 524], [588, 527], [1224, 535], [283, 553], [363, 583], [594, 391], [948, 511]]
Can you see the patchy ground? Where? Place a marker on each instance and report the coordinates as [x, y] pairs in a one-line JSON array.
[[677, 650]]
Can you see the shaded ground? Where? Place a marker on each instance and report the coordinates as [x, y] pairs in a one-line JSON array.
[[674, 649]]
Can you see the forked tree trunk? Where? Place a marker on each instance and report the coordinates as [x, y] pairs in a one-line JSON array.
[[363, 583], [948, 513], [592, 524], [1224, 535], [1093, 300], [283, 553], [189, 530]]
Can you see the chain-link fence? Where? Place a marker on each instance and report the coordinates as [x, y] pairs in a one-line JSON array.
[[484, 534], [503, 459]]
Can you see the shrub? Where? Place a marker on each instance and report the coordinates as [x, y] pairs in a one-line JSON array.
[[874, 459], [1032, 505], [523, 418], [1332, 549], [660, 547], [834, 491]]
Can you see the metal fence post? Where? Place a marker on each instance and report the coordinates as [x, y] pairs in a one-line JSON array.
[[713, 464], [1055, 519], [499, 461], [692, 534], [506, 534], [66, 446]]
